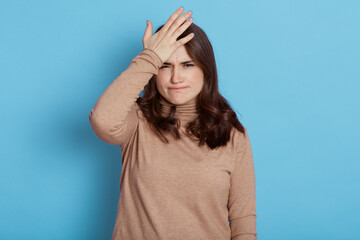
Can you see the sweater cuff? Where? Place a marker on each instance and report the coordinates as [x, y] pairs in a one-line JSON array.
[[154, 55], [244, 228]]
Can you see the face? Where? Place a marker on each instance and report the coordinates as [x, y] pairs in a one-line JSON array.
[[179, 79]]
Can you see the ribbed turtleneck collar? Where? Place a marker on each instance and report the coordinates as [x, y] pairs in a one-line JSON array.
[[185, 112]]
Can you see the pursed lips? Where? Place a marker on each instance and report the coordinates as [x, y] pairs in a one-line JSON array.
[[179, 88]]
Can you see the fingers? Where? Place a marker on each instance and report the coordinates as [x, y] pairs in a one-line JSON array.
[[184, 40], [172, 18], [175, 26], [165, 41], [182, 28], [148, 30]]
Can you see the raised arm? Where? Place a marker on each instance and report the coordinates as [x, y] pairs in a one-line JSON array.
[[114, 118], [242, 199]]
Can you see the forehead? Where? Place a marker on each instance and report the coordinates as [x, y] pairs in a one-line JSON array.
[[179, 55]]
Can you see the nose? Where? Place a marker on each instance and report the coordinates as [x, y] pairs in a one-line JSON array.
[[176, 76]]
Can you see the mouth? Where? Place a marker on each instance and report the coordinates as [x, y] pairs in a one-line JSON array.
[[179, 88]]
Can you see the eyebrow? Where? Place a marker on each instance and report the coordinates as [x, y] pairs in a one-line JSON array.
[[166, 63]]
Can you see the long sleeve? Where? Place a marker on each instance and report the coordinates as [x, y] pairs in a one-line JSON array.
[[242, 199], [114, 118]]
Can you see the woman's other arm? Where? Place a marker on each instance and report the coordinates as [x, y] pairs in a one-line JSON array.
[[242, 199]]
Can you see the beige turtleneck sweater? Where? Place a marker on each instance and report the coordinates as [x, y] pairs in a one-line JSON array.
[[177, 190]]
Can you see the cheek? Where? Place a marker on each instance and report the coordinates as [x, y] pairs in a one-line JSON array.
[[199, 76], [159, 83], [200, 86]]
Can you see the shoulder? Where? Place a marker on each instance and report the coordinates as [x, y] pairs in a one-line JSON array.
[[239, 138]]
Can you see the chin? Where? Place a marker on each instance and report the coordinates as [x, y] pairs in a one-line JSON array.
[[177, 101]]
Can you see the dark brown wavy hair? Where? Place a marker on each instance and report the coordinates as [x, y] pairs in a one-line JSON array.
[[216, 118]]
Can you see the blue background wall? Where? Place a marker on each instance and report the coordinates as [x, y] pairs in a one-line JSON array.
[[289, 68]]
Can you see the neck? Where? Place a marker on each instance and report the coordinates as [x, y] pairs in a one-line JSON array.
[[186, 112]]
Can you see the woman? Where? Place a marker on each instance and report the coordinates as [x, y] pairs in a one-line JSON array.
[[187, 162]]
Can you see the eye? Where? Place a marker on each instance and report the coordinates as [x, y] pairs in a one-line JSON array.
[[163, 66], [189, 65]]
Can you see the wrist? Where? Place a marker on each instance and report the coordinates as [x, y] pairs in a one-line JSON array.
[[155, 53]]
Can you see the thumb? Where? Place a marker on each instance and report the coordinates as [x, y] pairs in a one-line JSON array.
[[148, 30]]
